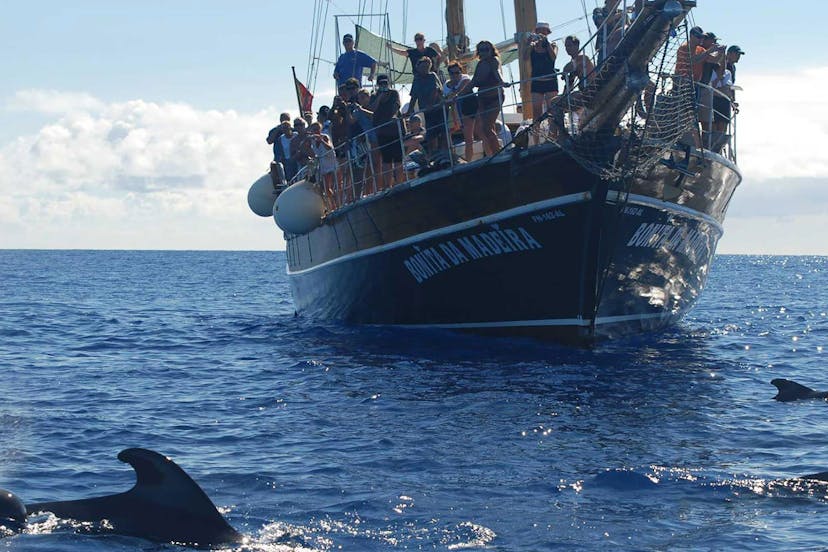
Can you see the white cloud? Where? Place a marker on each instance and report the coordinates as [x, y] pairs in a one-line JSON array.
[[783, 124], [53, 101], [140, 174], [128, 164]]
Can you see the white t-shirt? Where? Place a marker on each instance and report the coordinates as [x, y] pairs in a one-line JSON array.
[[448, 88], [725, 81]]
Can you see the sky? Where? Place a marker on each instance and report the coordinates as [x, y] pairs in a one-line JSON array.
[[141, 124]]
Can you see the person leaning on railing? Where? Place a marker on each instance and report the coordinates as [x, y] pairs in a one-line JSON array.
[[387, 127], [426, 94], [365, 117], [722, 84], [488, 81], [466, 106], [542, 54], [323, 150]]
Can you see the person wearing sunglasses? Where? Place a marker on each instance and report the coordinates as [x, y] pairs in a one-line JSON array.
[[415, 54], [489, 84]]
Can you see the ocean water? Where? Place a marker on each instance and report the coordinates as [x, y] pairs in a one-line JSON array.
[[323, 437]]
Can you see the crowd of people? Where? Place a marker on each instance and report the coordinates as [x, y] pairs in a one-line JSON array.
[[365, 140], [711, 67]]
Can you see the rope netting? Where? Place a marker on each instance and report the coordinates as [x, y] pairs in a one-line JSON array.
[[621, 118]]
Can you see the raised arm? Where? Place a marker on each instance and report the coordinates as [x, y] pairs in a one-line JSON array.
[[396, 50]]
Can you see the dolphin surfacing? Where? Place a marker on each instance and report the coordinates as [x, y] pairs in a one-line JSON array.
[[793, 391], [165, 505]]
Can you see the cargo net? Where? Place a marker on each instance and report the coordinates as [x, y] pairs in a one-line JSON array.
[[615, 131]]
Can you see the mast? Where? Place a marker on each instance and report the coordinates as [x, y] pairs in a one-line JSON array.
[[456, 41], [526, 15]]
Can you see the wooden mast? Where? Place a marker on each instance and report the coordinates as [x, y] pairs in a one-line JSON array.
[[526, 15], [456, 41]]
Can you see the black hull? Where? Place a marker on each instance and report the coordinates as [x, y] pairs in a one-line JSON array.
[[529, 244]]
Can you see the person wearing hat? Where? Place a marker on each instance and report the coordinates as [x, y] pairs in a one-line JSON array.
[[687, 54], [415, 54], [734, 54], [352, 62], [691, 55], [542, 55], [712, 60]]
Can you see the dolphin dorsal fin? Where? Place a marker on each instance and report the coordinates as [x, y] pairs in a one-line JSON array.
[[791, 390], [159, 479]]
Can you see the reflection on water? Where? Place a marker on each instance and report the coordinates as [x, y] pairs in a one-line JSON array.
[[316, 437]]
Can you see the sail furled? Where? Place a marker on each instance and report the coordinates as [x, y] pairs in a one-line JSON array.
[[398, 67]]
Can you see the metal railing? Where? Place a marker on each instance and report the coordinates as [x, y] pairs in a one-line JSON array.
[[718, 126], [360, 172]]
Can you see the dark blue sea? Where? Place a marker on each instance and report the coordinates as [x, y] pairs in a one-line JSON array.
[[323, 438]]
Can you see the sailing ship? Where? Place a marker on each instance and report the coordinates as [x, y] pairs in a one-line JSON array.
[[603, 227]]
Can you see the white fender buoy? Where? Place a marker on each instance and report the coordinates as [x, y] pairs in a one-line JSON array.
[[262, 195], [299, 209]]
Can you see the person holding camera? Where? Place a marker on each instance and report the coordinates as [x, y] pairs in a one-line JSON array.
[[387, 124], [542, 55]]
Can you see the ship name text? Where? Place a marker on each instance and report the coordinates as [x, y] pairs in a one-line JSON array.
[[670, 237], [436, 259]]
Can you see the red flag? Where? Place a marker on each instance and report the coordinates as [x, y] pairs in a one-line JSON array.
[[304, 95]]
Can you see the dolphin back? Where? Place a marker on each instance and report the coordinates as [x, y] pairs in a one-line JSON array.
[[165, 505], [793, 391]]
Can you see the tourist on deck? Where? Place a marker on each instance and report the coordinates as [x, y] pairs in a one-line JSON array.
[[705, 95], [542, 55], [489, 82], [426, 93], [415, 137], [340, 136], [387, 127], [691, 56], [714, 54], [579, 66], [322, 117], [441, 61], [364, 116], [300, 147], [415, 54], [466, 106], [722, 83], [323, 151], [275, 135], [414, 140], [352, 62], [286, 141]]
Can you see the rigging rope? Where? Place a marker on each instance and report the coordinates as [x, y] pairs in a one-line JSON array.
[[405, 21], [443, 20], [506, 37]]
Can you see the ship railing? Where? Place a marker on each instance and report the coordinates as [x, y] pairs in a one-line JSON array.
[[716, 137], [355, 169]]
